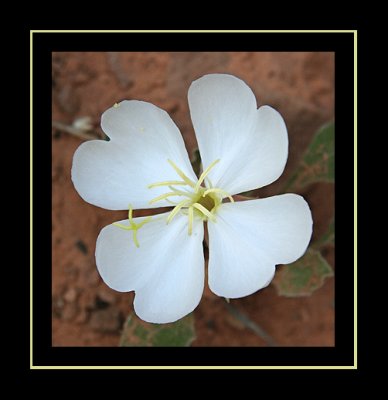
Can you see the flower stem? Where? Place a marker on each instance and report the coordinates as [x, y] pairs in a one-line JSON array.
[[248, 323]]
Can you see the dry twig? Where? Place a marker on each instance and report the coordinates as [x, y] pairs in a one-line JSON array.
[[75, 132]]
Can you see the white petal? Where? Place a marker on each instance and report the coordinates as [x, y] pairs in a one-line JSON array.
[[252, 144], [166, 271], [250, 237], [117, 173]]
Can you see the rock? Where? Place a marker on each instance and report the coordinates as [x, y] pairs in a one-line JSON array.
[[57, 306], [117, 66], [106, 295], [82, 317], [69, 312], [68, 99], [107, 320], [91, 277], [70, 296]]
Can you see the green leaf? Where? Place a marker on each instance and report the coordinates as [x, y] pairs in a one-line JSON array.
[[327, 238], [317, 164], [137, 333], [304, 276]]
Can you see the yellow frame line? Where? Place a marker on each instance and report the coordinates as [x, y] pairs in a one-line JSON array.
[[193, 31], [31, 197], [195, 367], [355, 240]]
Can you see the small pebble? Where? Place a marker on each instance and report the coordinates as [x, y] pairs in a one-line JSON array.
[[107, 295], [81, 246], [70, 296], [69, 312], [107, 320]]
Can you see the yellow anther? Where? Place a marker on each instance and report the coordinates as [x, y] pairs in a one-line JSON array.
[[130, 213]]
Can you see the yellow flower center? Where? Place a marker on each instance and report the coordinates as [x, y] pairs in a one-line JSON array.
[[198, 200]]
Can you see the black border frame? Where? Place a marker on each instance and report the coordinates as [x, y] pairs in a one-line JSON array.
[[44, 355]]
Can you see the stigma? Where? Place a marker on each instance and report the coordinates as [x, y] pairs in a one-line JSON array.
[[133, 226]]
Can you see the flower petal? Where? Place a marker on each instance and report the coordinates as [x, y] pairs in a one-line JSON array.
[[166, 270], [117, 173], [250, 237], [252, 144]]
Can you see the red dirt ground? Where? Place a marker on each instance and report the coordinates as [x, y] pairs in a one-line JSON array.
[[88, 313]]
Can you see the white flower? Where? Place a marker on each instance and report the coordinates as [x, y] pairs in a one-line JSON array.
[[145, 165]]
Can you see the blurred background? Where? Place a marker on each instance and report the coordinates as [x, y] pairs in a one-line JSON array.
[[86, 312]]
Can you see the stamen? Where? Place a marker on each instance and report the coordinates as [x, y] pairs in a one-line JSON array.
[[195, 198], [204, 174], [216, 190], [166, 183], [176, 190], [170, 194], [204, 211], [176, 209], [181, 174], [191, 218], [209, 181], [184, 189], [172, 202]]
